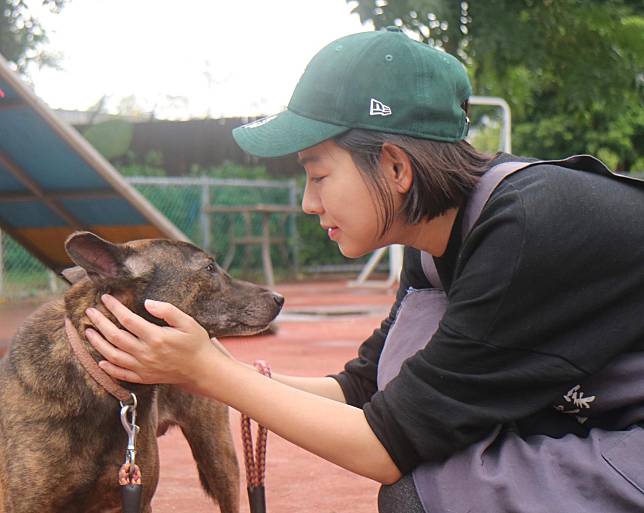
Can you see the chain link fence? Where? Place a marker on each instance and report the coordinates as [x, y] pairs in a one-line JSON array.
[[184, 201], [22, 275]]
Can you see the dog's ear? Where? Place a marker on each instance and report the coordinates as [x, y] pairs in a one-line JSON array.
[[101, 259], [74, 274]]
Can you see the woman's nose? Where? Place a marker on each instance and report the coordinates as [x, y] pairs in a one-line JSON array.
[[310, 201]]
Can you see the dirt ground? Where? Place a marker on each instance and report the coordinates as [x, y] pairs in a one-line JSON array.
[[320, 329]]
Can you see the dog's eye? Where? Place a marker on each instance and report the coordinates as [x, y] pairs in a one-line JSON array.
[[211, 268]]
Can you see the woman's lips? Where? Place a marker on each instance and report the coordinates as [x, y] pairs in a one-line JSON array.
[[333, 232]]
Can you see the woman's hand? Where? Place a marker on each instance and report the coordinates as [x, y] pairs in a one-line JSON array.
[[147, 353]]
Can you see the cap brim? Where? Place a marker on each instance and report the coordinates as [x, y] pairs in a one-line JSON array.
[[283, 134]]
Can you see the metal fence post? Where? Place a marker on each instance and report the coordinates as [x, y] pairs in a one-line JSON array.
[[1, 266], [205, 216], [292, 199], [53, 282]]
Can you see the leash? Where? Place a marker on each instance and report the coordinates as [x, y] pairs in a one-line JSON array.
[[129, 475], [255, 462]]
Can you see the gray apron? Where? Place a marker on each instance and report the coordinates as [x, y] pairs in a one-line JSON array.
[[505, 473]]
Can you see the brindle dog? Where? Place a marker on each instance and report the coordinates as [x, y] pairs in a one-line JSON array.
[[61, 439]]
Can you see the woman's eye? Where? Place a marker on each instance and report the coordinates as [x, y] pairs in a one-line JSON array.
[[317, 179], [211, 268]]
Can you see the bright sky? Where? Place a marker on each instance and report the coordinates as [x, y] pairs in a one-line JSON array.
[[187, 58]]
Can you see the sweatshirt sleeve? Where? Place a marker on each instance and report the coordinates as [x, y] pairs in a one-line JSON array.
[[358, 380], [523, 323]]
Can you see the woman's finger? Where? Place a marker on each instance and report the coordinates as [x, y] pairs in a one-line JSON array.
[[120, 373], [170, 314], [112, 353], [128, 319], [118, 337]]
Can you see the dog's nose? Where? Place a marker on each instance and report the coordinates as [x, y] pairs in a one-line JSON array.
[[278, 298]]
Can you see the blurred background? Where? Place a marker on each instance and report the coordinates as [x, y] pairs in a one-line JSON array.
[[157, 86]]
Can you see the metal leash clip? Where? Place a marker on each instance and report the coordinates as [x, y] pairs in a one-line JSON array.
[[130, 473], [130, 428]]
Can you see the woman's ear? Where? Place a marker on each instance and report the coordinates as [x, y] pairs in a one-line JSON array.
[[396, 165]]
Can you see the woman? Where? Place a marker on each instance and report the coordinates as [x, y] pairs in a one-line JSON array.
[[526, 397]]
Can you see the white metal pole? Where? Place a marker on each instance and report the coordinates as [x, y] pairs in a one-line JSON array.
[[292, 201], [53, 282], [506, 131], [395, 262], [1, 266], [205, 215]]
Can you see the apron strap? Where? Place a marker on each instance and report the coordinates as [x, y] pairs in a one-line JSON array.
[[429, 268], [492, 178]]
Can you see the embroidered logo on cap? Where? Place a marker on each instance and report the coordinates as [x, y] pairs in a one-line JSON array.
[[378, 108]]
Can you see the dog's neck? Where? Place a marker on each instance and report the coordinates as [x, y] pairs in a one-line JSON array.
[[86, 294]]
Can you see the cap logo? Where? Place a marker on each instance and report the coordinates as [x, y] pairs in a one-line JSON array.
[[260, 122], [378, 108]]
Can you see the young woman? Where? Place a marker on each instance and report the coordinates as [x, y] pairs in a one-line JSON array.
[[508, 375]]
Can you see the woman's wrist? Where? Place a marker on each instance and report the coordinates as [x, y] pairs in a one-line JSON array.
[[201, 376]]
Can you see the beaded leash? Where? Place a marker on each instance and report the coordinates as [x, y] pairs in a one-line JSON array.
[[255, 462]]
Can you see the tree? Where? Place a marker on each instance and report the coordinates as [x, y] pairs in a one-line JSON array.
[[22, 35], [572, 70]]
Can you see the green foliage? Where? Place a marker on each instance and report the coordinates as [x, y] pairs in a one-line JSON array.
[[111, 138], [22, 35], [436, 22], [572, 71], [141, 170], [487, 138], [153, 159], [231, 170]]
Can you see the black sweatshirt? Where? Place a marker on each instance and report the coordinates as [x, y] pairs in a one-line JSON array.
[[545, 290]]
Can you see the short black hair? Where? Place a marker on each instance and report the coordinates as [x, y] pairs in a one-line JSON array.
[[444, 172]]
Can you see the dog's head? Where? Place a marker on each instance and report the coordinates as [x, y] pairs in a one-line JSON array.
[[177, 272]]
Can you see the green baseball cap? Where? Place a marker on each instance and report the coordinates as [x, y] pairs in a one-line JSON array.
[[380, 80]]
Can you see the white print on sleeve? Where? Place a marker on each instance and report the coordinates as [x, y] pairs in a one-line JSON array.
[[575, 402]]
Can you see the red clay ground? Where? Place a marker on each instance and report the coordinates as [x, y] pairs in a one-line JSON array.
[[296, 481]]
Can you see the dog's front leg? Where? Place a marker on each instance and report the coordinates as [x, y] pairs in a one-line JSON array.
[[205, 424]]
